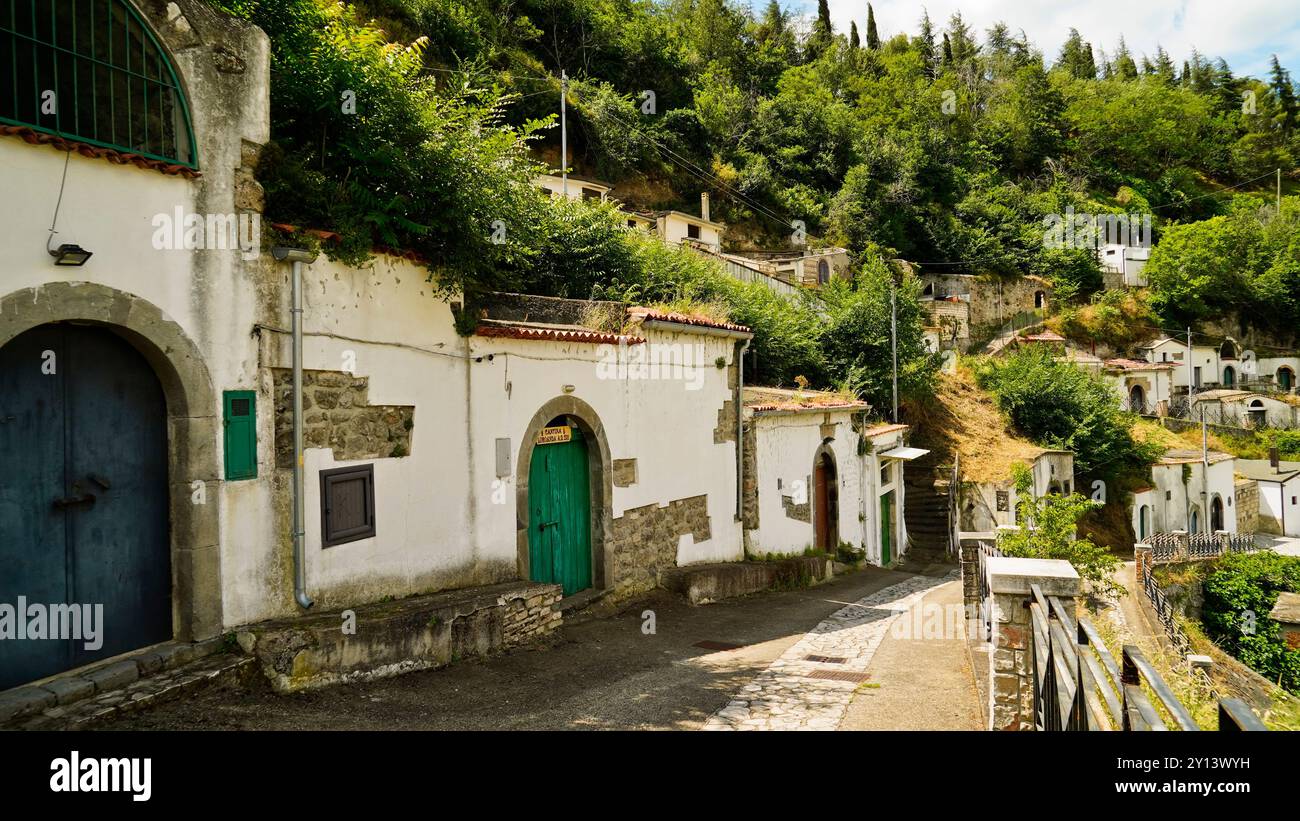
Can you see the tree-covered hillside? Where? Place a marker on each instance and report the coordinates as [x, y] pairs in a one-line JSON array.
[[417, 124]]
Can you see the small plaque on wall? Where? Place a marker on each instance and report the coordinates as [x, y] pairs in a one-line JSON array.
[[555, 435]]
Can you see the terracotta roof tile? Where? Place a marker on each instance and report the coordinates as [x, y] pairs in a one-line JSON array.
[[539, 334], [1137, 365], [684, 319], [34, 137]]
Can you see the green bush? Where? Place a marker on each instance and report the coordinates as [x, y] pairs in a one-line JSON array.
[[1239, 594], [1059, 405], [1049, 530]]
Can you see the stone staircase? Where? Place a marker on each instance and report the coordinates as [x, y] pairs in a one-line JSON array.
[[926, 512]]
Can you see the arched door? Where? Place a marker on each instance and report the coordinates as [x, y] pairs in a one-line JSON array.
[[1216, 514], [825, 503], [1142, 523], [83, 497], [559, 498], [1285, 378], [1137, 399]]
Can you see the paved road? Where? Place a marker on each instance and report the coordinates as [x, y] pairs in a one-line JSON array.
[[921, 677], [595, 674]]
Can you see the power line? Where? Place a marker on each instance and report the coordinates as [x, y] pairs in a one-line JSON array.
[[693, 169], [1212, 193]]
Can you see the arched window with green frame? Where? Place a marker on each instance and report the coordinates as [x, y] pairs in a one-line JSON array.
[[92, 71]]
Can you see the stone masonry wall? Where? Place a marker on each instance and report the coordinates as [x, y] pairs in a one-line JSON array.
[[643, 541], [336, 415], [1246, 501], [1013, 689], [530, 618]]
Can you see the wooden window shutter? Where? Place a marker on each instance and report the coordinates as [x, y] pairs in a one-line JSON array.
[[347, 498], [239, 409]]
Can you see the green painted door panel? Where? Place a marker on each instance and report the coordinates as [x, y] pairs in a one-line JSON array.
[[559, 522], [239, 416], [885, 530]]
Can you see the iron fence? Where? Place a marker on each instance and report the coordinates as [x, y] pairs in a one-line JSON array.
[[1174, 547]]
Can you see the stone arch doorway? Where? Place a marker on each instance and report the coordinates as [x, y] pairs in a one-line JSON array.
[[826, 500], [191, 429], [1040, 299], [1216, 514], [1285, 378], [558, 471], [1137, 399], [1144, 514], [1229, 376]]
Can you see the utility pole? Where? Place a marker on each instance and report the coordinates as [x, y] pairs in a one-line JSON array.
[[1279, 192], [564, 133], [1205, 472], [893, 341], [1189, 372]]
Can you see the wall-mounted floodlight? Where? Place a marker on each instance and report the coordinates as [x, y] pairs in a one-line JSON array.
[[285, 254], [71, 255]]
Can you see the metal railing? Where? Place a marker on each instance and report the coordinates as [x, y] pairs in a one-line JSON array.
[[1077, 684], [1177, 547], [1165, 613], [954, 493]]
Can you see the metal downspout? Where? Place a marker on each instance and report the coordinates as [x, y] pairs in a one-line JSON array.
[[298, 257]]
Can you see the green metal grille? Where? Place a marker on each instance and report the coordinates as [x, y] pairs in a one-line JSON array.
[[92, 70]]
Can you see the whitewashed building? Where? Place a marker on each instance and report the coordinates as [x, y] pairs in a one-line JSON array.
[[819, 475], [1279, 494], [1142, 387], [1184, 495], [146, 399], [574, 187], [985, 506]]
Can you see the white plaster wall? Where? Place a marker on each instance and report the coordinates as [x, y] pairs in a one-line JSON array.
[[1171, 514], [672, 228], [662, 423], [786, 446], [1281, 503]]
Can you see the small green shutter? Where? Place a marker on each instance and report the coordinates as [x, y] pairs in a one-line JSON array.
[[240, 409]]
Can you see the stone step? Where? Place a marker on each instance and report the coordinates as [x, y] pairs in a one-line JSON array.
[[141, 694], [97, 679]]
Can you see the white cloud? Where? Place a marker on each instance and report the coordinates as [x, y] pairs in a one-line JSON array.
[[1244, 32]]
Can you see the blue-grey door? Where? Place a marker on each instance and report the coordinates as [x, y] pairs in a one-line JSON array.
[[83, 493]]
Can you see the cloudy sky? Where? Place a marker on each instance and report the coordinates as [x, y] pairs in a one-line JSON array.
[[1244, 32]]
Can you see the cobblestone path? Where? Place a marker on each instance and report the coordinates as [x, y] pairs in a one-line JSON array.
[[791, 694]]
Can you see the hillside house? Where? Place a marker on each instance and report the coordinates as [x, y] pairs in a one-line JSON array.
[[1182, 490], [1208, 366], [1122, 265], [680, 228], [1280, 371], [818, 475], [985, 506], [810, 267], [976, 306], [1142, 387], [575, 187], [1247, 409], [1279, 494]]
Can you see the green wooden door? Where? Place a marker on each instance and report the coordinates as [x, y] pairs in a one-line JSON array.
[[559, 522], [885, 528]]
